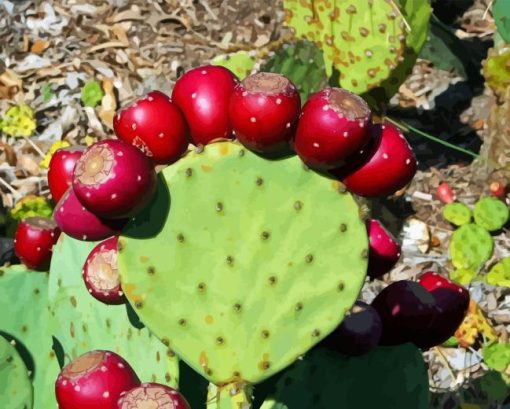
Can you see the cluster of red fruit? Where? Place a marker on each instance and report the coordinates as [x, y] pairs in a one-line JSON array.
[[103, 379]]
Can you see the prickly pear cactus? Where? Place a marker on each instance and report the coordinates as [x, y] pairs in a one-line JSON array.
[[236, 256], [470, 247], [496, 70], [499, 274], [303, 64], [386, 378], [81, 323], [15, 385], [373, 44], [491, 213], [457, 213], [501, 13], [25, 321]]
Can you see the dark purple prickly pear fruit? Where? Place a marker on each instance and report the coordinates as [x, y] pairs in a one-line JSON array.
[[407, 310], [452, 302], [359, 332]]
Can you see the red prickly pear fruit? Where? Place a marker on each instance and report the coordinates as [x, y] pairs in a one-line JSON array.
[[334, 124], [61, 168], [359, 332], [452, 301], [497, 189], [444, 193], [77, 222], [113, 179], [94, 380], [406, 309], [387, 165], [153, 396], [203, 95], [156, 126], [34, 240], [101, 274], [264, 110], [384, 251]]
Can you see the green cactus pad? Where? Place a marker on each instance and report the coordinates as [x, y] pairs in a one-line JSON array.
[[470, 247], [501, 13], [26, 321], [491, 213], [457, 213], [241, 264], [367, 42], [15, 386], [81, 323], [499, 274], [303, 64], [386, 378]]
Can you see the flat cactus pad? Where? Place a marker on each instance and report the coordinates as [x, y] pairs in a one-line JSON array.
[[242, 264], [470, 247], [15, 386], [457, 213], [491, 213]]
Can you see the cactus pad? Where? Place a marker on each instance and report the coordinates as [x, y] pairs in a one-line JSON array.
[[470, 247], [386, 378], [457, 213], [303, 64], [240, 63], [499, 274], [463, 276], [25, 322], [491, 213], [367, 42], [81, 323], [15, 386], [241, 264], [501, 14]]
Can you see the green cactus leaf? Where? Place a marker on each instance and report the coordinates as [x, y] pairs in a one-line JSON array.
[[15, 385], [386, 378], [240, 63], [26, 322], [91, 94], [303, 64], [470, 247], [501, 13], [81, 323], [497, 356], [491, 213], [457, 213], [237, 255], [18, 121], [499, 274], [371, 45]]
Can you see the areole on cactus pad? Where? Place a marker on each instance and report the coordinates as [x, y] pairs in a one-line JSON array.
[[241, 264]]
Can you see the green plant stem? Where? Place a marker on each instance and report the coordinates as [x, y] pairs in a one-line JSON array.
[[407, 127], [235, 395]]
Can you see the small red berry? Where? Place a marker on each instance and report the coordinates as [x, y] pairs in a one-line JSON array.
[[497, 189], [203, 95], [34, 240], [155, 125], [264, 110], [444, 193]]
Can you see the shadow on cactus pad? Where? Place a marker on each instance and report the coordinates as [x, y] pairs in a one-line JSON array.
[[386, 378]]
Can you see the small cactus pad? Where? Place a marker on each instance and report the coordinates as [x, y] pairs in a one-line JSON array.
[[386, 378], [241, 63], [303, 64], [470, 246], [15, 386], [82, 324], [254, 262], [457, 213], [499, 274], [366, 41], [25, 322], [491, 213]]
